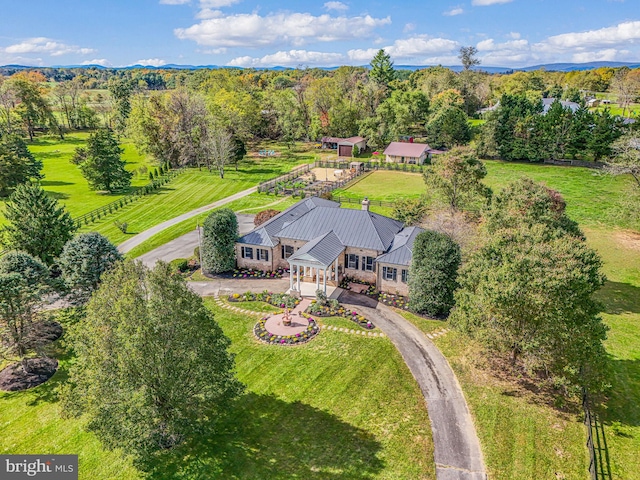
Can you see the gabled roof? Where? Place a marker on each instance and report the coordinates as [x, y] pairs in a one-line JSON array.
[[401, 149], [264, 235], [322, 250], [354, 228], [352, 140], [259, 237], [402, 248], [547, 102]]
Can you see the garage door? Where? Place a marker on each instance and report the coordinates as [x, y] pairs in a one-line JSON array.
[[344, 151]]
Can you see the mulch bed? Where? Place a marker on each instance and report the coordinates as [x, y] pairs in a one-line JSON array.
[[14, 378]]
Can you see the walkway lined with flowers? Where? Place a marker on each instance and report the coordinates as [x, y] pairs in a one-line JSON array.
[[222, 304]]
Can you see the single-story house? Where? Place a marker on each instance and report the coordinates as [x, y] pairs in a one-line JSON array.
[[344, 146], [322, 243], [547, 102], [400, 152]]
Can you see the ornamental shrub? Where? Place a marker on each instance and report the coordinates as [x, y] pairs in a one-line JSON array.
[[220, 231]]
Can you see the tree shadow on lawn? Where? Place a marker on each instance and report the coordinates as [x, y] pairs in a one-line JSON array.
[[620, 298], [623, 402], [267, 438], [52, 183]]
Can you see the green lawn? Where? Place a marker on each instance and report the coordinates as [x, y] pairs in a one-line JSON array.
[[253, 203], [341, 407], [63, 180], [386, 186]]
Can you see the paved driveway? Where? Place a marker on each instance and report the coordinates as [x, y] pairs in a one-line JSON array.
[[457, 450], [183, 247]]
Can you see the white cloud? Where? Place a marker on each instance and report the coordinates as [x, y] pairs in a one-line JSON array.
[[409, 27], [514, 35], [419, 49], [606, 55], [207, 13], [484, 3], [505, 53], [254, 30], [151, 62], [337, 6], [620, 34], [217, 3], [290, 58], [97, 61], [46, 45], [174, 2], [453, 12]]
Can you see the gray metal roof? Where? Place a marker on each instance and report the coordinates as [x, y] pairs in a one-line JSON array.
[[322, 250], [264, 235], [402, 249], [354, 228], [259, 237]]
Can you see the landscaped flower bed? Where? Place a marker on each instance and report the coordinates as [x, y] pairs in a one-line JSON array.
[[334, 309], [253, 273], [397, 301], [371, 291], [281, 300], [264, 335]]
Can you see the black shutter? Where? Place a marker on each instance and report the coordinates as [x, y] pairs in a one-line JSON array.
[[242, 252], [266, 256], [395, 274], [346, 260]]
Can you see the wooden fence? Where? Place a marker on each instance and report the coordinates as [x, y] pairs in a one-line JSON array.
[[116, 205], [599, 466], [292, 175]]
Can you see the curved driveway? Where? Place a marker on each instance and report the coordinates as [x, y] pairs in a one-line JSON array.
[[457, 452]]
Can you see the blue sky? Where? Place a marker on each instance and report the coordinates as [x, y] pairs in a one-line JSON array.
[[511, 33]]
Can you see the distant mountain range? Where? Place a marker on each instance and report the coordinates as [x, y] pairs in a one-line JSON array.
[[555, 67]]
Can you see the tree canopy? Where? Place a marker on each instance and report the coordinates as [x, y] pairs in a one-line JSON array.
[[36, 223], [101, 164], [433, 273], [219, 234], [17, 164], [152, 365]]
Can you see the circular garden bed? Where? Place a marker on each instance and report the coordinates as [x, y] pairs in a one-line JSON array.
[[15, 378], [264, 335]]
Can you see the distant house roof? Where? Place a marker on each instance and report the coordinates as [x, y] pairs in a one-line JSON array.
[[547, 102], [322, 250], [331, 139], [400, 149], [352, 140], [402, 248]]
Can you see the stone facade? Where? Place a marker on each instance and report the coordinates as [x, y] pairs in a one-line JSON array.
[[397, 286]]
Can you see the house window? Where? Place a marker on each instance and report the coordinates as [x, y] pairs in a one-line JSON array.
[[367, 264], [263, 254], [287, 251], [353, 261], [405, 276], [247, 252], [401, 159], [389, 273]]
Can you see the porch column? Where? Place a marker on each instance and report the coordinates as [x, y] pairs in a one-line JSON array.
[[298, 278], [290, 277], [335, 269], [324, 281], [317, 278]]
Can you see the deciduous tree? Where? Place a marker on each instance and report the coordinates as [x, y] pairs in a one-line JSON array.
[[152, 365]]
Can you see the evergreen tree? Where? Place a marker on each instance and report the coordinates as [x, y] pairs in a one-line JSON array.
[[84, 259], [219, 234], [17, 164], [101, 164], [432, 276], [382, 70], [448, 127], [36, 223], [152, 365]]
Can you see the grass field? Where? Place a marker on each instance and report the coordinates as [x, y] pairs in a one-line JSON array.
[[341, 407]]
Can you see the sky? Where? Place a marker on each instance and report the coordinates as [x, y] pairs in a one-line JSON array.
[[246, 33]]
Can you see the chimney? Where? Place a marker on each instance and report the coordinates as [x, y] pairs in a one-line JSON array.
[[365, 204]]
